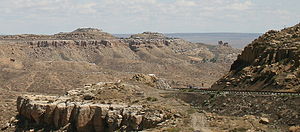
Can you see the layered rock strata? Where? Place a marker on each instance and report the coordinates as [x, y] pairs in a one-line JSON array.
[[59, 112], [61, 43]]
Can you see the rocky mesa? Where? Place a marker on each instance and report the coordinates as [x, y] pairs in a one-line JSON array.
[[70, 60]]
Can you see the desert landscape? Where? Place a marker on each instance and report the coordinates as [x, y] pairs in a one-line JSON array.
[[90, 80], [149, 66]]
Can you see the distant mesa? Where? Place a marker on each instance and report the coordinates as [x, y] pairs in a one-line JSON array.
[[84, 30], [149, 35], [78, 34], [89, 30], [85, 34]]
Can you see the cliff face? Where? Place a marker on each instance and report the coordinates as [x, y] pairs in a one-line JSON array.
[[270, 62], [105, 106]]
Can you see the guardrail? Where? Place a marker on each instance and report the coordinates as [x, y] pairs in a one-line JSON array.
[[241, 92]]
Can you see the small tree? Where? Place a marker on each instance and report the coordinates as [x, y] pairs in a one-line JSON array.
[[226, 44], [220, 42]]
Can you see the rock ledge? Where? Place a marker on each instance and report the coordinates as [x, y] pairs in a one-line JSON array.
[[60, 112]]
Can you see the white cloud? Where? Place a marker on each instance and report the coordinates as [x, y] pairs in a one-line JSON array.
[[240, 5], [43, 7], [87, 8], [123, 7], [186, 3]]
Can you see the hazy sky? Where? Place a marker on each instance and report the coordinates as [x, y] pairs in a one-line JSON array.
[[132, 16]]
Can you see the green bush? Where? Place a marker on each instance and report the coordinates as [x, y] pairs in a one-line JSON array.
[[152, 99]]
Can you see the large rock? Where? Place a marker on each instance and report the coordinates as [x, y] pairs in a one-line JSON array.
[[57, 112], [151, 80], [294, 129]]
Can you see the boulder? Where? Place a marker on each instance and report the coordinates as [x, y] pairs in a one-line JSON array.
[[151, 80], [264, 120], [294, 129]]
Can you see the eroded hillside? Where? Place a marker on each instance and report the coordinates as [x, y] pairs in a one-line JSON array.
[[269, 63], [55, 63]]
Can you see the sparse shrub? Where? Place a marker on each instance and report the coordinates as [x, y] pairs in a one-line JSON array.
[[152, 99], [205, 60], [238, 130], [136, 101], [205, 103], [191, 111], [173, 129], [213, 60]]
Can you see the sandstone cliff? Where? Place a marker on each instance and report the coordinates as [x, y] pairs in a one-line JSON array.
[[61, 113], [270, 62], [105, 106]]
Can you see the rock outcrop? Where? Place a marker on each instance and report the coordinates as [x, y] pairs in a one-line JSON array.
[[84, 34], [148, 40], [137, 44], [148, 35], [152, 80], [97, 107], [57, 113], [270, 62]]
